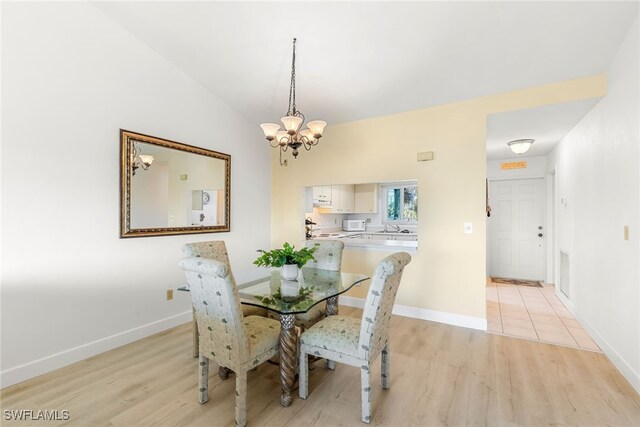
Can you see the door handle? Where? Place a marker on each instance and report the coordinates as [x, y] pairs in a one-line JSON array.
[[539, 234]]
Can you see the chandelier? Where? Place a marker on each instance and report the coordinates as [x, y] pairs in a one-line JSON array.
[[139, 160], [292, 137]]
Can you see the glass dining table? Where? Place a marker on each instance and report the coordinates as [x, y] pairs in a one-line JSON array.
[[288, 298]]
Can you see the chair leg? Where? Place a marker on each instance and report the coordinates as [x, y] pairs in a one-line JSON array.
[[385, 367], [241, 398], [331, 364], [196, 335], [299, 330], [203, 381], [366, 393], [303, 379]]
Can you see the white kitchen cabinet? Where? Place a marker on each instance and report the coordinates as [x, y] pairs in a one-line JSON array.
[[407, 237], [322, 193], [342, 199], [392, 236], [347, 201], [365, 198], [381, 237]]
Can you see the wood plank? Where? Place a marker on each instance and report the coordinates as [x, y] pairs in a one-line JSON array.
[[440, 375]]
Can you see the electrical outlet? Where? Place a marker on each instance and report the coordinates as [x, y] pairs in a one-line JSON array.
[[169, 294], [468, 228]]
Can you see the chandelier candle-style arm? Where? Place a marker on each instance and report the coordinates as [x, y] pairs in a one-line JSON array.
[[293, 136]]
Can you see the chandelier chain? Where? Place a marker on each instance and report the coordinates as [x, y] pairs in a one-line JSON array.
[[292, 88]]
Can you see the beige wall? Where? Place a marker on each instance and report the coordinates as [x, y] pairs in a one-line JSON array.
[[448, 272]]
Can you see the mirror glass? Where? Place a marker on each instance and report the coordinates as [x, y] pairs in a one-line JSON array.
[[172, 188]]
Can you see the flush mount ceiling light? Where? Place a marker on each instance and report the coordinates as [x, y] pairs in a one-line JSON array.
[[292, 137], [520, 146], [139, 160]]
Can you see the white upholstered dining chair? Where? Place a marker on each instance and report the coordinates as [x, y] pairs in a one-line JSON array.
[[233, 341], [328, 256], [217, 250], [358, 342]]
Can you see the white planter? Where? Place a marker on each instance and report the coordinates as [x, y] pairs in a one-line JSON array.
[[289, 289], [289, 271]]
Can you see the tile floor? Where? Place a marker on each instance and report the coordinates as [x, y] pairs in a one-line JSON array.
[[534, 313]]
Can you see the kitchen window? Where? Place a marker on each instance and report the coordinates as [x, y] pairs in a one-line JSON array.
[[400, 203]]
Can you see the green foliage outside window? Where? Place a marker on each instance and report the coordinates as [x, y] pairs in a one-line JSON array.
[[402, 203]]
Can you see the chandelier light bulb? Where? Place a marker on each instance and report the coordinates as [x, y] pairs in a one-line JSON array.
[[307, 134], [317, 127], [270, 130], [291, 124], [282, 137], [146, 159]]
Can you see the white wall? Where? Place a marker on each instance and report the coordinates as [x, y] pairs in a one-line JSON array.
[[71, 78], [597, 173]]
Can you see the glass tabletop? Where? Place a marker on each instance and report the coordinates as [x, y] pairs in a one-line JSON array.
[[296, 296]]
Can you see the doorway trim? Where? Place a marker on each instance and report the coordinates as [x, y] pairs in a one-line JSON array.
[[552, 272]]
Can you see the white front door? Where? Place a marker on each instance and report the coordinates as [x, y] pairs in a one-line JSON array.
[[516, 228]]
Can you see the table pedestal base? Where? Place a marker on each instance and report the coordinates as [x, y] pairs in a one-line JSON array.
[[288, 357]]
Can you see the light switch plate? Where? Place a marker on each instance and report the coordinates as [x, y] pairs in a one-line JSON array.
[[626, 232], [425, 156], [468, 228]]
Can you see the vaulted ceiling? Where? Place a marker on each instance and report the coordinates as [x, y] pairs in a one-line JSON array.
[[361, 59]]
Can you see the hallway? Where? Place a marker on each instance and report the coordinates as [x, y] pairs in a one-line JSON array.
[[535, 314]]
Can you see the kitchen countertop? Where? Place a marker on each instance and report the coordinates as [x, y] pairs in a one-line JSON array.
[[369, 244]]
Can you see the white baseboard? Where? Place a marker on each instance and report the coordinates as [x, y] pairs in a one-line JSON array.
[[625, 369], [67, 357], [425, 314], [352, 302]]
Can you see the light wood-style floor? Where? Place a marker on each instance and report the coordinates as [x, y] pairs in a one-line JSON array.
[[440, 375]]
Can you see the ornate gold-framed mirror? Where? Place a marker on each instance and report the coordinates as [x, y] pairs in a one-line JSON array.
[[168, 187]]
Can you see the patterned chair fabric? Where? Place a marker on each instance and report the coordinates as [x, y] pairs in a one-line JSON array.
[[235, 342], [358, 342], [217, 250], [328, 256]]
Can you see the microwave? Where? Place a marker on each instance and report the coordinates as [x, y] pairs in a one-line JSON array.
[[353, 225]]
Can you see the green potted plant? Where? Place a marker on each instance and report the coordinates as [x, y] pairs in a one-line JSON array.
[[288, 258]]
